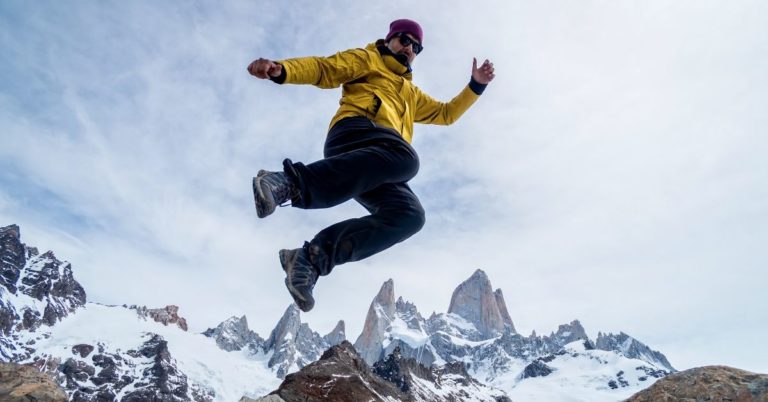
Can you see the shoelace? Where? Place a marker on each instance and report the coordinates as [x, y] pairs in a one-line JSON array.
[[304, 275], [281, 188]]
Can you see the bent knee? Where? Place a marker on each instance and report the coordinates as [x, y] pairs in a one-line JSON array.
[[419, 219], [412, 220]]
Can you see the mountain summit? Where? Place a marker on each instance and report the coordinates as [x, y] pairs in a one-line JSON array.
[[475, 301]]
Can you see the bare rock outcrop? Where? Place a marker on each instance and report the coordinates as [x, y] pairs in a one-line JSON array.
[[168, 315], [710, 383], [341, 375], [19, 383]]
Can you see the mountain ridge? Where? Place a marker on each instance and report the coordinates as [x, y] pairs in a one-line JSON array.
[[148, 353]]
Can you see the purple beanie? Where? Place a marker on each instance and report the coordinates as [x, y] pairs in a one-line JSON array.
[[407, 26]]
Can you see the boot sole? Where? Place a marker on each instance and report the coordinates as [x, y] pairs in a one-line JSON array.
[[305, 303], [265, 203]]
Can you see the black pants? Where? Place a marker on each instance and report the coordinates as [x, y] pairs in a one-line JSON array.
[[372, 165]]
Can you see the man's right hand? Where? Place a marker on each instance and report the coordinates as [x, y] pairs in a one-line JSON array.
[[263, 68]]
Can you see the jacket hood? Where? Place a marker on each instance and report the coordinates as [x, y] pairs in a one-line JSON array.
[[398, 64]]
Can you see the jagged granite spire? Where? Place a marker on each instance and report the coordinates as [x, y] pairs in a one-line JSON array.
[[293, 344], [631, 348], [380, 314], [568, 333], [475, 301], [337, 335], [503, 310], [234, 334]]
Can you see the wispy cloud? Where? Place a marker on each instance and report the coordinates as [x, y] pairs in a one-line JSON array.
[[614, 171]]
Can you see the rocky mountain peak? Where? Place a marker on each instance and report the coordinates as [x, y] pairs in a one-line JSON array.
[[377, 321], [631, 348], [386, 298], [10, 230], [475, 301], [234, 334], [568, 333], [293, 344], [26, 273], [288, 326], [337, 335]]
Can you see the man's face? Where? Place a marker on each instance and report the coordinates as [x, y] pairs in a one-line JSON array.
[[395, 44]]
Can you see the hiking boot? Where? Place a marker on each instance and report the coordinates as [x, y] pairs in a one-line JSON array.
[[300, 278], [271, 189]]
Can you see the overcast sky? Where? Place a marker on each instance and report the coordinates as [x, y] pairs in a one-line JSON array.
[[615, 171]]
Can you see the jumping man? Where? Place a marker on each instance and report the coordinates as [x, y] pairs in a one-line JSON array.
[[368, 152]]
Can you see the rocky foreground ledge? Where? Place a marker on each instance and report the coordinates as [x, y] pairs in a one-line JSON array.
[[710, 383], [20, 383]]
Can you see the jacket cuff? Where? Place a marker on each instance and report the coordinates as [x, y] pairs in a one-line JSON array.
[[280, 78], [475, 86]]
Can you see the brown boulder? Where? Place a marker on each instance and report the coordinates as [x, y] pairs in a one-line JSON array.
[[710, 384], [20, 383]]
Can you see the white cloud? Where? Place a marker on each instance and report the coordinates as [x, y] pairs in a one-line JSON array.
[[613, 172]]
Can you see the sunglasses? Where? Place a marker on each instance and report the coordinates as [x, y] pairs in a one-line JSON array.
[[405, 41]]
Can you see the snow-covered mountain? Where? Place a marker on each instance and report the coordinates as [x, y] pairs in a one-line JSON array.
[[478, 332], [133, 353], [105, 353]]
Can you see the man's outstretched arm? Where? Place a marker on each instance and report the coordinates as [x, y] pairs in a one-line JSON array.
[[323, 72], [431, 111]]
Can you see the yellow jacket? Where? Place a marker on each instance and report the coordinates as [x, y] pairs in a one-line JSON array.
[[377, 86]]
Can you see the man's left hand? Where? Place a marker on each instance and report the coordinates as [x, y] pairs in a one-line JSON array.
[[483, 74]]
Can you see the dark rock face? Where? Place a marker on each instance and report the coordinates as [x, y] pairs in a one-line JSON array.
[[391, 370], [82, 350], [536, 369], [105, 375], [711, 383], [24, 273], [20, 383], [340, 375], [161, 381], [13, 257]]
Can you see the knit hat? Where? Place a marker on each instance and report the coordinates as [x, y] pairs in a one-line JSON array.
[[407, 26]]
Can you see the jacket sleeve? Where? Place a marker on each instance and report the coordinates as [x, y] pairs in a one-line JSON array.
[[431, 111], [327, 72]]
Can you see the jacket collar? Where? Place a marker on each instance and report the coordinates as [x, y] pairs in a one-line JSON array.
[[398, 64]]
